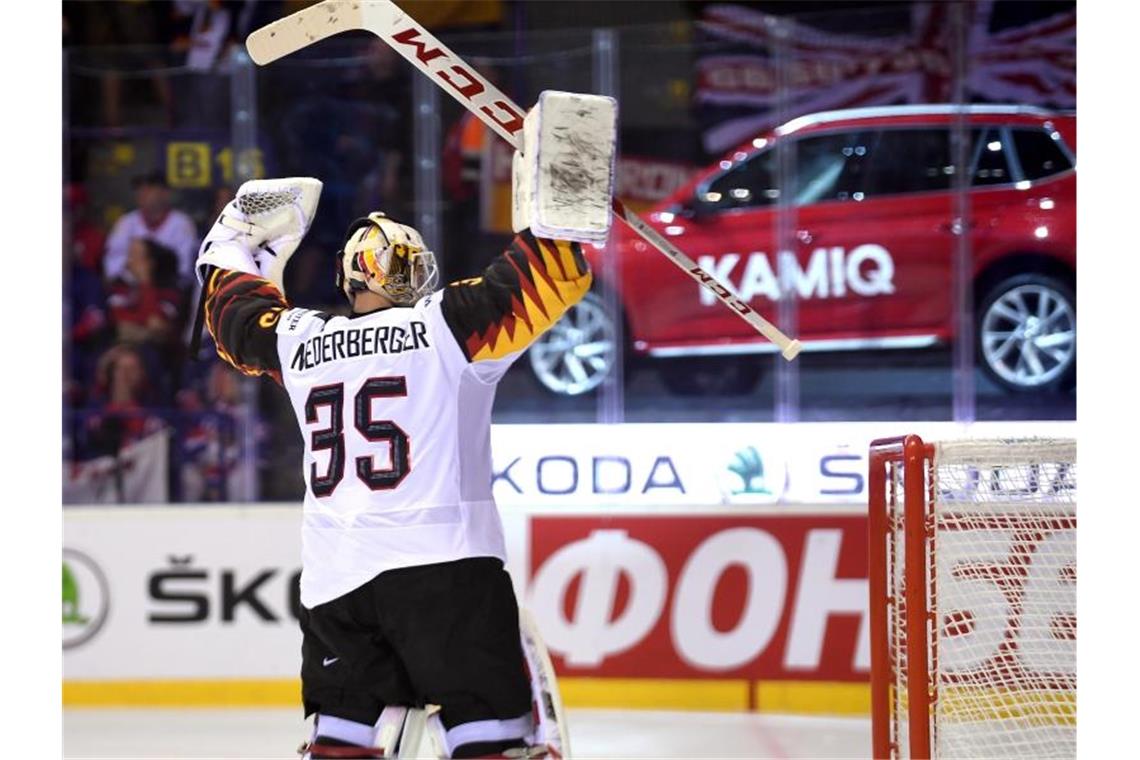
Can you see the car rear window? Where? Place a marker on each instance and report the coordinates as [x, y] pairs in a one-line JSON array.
[[1039, 153], [895, 162], [990, 158], [909, 161]]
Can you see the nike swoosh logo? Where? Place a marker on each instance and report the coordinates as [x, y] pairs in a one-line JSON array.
[[329, 661]]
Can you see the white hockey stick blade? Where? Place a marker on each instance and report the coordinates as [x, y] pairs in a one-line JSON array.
[[420, 47], [303, 28], [412, 41]]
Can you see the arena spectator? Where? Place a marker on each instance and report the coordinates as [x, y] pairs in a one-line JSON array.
[[122, 417], [211, 452], [145, 300], [87, 237], [215, 26], [148, 309], [467, 153], [87, 330], [153, 219], [338, 129], [383, 145], [137, 35], [85, 308]]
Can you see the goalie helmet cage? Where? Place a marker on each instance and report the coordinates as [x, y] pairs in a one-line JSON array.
[[972, 582]]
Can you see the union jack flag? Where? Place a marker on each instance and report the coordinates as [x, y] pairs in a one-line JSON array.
[[767, 69]]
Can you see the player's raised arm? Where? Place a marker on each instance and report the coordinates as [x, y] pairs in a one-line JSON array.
[[562, 179], [241, 266], [242, 311], [518, 297]]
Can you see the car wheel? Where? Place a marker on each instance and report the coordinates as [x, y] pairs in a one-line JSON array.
[[1027, 333], [578, 352], [728, 376]]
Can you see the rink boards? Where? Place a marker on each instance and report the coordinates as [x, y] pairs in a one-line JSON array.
[[711, 567]]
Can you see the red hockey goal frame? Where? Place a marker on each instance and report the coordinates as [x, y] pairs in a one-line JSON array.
[[911, 454], [933, 510]]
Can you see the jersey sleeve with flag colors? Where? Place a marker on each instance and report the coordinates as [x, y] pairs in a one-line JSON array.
[[520, 295], [242, 312]]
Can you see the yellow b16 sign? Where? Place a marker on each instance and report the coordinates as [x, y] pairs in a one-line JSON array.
[[191, 165]]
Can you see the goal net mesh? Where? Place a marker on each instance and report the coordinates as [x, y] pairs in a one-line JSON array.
[[1001, 589]]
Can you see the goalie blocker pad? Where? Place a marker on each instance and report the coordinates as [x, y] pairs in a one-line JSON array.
[[564, 175]]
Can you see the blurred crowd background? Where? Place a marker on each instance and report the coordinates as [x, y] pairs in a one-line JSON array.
[[165, 116]]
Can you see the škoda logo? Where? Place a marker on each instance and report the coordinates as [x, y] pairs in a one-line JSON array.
[[86, 598]]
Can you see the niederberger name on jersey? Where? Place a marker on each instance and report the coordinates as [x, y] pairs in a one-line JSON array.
[[359, 341]]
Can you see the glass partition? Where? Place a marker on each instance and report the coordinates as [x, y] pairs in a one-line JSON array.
[[149, 159], [921, 246], [343, 112], [475, 219]]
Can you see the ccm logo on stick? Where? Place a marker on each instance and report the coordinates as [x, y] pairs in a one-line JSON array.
[[465, 82]]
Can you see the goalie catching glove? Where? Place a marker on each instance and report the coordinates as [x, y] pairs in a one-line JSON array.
[[260, 228]]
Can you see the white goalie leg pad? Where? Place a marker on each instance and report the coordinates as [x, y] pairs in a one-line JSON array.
[[437, 736], [563, 178], [389, 728], [550, 729], [263, 224], [412, 735]]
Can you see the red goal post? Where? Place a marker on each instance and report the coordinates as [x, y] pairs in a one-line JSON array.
[[972, 598]]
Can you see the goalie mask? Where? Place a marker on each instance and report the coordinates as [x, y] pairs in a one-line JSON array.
[[387, 258]]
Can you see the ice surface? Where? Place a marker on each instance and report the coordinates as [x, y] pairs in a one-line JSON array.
[[275, 733]]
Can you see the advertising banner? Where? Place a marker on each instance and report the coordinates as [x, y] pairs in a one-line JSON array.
[[199, 606], [189, 593], [756, 68], [703, 466], [137, 474], [757, 597], [717, 567], [181, 593]]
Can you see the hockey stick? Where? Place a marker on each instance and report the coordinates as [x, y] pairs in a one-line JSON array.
[[544, 683], [385, 19]]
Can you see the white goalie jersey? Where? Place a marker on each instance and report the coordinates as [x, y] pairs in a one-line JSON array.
[[397, 452], [394, 407]]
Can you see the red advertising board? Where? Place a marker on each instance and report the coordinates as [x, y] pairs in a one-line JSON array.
[[754, 597]]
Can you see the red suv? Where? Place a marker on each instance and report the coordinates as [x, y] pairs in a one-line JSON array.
[[854, 214]]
